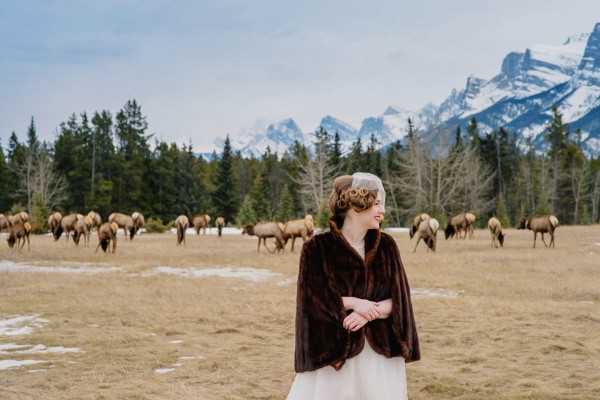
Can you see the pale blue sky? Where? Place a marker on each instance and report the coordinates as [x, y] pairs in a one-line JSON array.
[[201, 69]]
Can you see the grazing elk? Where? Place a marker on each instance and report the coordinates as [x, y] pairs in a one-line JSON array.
[[201, 222], [83, 227], [181, 224], [220, 223], [96, 219], [428, 232], [107, 233], [495, 228], [264, 230], [416, 223], [4, 222], [457, 224], [125, 222], [470, 219], [67, 225], [542, 224], [19, 231], [54, 223], [298, 228]]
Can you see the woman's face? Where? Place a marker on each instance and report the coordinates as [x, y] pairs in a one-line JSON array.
[[373, 216]]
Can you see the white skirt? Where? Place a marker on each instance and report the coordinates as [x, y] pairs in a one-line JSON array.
[[367, 376]]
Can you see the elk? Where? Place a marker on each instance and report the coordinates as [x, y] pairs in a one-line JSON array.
[[220, 223], [96, 219], [457, 224], [470, 219], [542, 224], [54, 223], [67, 225], [201, 222], [297, 228], [18, 231], [428, 232], [181, 223], [416, 222], [107, 233], [264, 230], [4, 222], [83, 227], [495, 228], [124, 222]]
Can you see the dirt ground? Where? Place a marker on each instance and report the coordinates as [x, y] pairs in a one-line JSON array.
[[215, 320]]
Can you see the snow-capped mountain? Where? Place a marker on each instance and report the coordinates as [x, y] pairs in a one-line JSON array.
[[519, 98]]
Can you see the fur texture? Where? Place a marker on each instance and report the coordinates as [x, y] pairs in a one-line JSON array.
[[329, 269]]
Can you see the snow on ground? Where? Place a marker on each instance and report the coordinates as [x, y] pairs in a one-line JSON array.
[[24, 325], [250, 274], [76, 268], [179, 363], [21, 325]]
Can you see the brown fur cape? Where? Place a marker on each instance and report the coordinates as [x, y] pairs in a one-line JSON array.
[[329, 269]]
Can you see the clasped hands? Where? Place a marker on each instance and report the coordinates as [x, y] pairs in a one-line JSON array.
[[363, 312]]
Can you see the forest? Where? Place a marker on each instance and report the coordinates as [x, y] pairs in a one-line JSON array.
[[111, 163]]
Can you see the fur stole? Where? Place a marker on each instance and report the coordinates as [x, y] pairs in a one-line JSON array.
[[330, 269]]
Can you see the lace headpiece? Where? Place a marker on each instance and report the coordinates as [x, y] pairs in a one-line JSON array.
[[365, 180]]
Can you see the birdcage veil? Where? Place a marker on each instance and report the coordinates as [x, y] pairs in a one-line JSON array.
[[365, 180]]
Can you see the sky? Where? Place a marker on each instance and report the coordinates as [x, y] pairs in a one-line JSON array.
[[201, 70]]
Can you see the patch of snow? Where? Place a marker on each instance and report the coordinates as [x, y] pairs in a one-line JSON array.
[[41, 349], [178, 341], [164, 370], [14, 326], [12, 364], [250, 274], [82, 268], [439, 293]]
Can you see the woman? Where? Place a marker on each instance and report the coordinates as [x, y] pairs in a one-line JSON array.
[[354, 321]]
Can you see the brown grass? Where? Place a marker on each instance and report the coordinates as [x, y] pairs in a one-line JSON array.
[[525, 326]]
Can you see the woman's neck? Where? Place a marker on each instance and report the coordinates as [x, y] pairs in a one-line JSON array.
[[355, 235]]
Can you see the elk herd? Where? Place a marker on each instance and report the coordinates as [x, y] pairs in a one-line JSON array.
[[423, 227], [426, 228]]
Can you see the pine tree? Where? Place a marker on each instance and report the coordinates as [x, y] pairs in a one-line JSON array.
[[5, 198], [246, 214], [225, 197], [501, 213], [285, 208]]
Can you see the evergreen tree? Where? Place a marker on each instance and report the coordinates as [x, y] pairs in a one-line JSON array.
[[5, 189], [336, 152], [133, 153], [246, 214], [501, 213], [285, 208], [225, 197]]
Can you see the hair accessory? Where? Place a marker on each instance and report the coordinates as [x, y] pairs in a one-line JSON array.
[[365, 180]]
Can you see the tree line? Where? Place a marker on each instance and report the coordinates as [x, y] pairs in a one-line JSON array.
[[111, 163]]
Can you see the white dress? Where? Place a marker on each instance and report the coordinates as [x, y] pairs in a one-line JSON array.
[[367, 376]]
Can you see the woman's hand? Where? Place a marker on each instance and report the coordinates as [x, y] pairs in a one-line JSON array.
[[366, 308], [354, 321]]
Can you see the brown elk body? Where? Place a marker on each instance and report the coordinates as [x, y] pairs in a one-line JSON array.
[[107, 233], [428, 232], [181, 224], [54, 223], [264, 230], [124, 222], [220, 223], [416, 223], [96, 219], [457, 224], [495, 228], [201, 222], [83, 227], [471, 220], [67, 225], [542, 224], [297, 228], [19, 231], [4, 222]]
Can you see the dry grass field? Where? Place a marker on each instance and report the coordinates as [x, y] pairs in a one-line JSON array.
[[507, 323]]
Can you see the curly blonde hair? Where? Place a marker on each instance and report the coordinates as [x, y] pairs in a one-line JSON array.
[[343, 197]]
